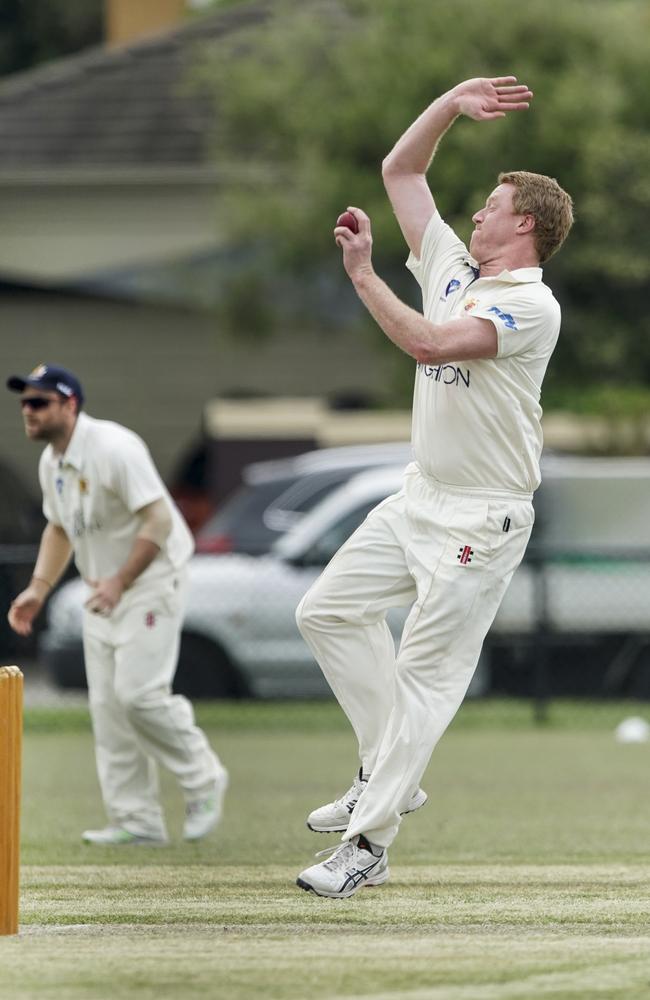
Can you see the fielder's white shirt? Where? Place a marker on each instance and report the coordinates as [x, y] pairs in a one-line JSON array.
[[93, 492], [476, 424]]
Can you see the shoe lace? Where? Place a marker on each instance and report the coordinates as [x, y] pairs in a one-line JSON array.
[[344, 855], [351, 797]]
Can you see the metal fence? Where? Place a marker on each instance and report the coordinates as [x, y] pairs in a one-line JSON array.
[[578, 621], [573, 624]]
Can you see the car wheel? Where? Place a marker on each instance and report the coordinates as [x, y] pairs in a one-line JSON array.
[[205, 671]]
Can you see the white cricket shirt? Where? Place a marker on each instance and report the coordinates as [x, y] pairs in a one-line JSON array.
[[93, 492], [476, 424]]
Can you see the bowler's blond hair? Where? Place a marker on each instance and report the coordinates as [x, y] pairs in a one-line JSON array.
[[543, 198]]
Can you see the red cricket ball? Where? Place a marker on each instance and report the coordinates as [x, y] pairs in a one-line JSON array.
[[348, 220]]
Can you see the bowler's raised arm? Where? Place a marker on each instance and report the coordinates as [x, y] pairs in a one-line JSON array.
[[404, 169]]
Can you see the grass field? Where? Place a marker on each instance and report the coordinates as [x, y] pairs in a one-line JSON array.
[[527, 875]]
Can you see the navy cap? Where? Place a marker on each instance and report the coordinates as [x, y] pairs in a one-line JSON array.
[[51, 378]]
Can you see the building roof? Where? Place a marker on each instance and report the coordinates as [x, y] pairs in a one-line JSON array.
[[128, 107]]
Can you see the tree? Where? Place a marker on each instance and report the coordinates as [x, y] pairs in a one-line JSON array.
[[308, 105], [33, 31]]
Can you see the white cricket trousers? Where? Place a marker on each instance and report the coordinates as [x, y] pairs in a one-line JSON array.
[[449, 553], [131, 659]]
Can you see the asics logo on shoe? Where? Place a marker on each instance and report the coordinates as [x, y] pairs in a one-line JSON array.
[[358, 875]]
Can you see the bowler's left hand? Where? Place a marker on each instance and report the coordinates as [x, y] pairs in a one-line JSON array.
[[106, 595], [357, 247]]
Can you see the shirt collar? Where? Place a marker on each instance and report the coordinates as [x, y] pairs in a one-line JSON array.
[[73, 454], [520, 275]]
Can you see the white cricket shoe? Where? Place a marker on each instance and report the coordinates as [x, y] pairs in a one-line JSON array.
[[203, 814], [349, 868], [335, 816], [117, 836]]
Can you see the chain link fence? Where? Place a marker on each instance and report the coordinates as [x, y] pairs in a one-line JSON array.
[[572, 624], [575, 623]]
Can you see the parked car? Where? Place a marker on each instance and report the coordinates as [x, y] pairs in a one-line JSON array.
[[240, 636], [276, 494]]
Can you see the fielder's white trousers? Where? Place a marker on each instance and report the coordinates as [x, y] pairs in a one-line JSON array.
[[138, 723], [450, 554]]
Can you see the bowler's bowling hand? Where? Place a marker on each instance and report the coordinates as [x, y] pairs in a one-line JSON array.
[[106, 595], [24, 609], [486, 98], [356, 247]]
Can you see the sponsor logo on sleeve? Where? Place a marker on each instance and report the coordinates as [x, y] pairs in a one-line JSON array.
[[506, 318]]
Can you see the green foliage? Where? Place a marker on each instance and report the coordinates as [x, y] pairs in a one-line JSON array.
[[606, 400], [310, 102]]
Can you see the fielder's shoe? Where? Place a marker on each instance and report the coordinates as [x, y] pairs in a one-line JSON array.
[[351, 866], [335, 816], [203, 814], [117, 836]]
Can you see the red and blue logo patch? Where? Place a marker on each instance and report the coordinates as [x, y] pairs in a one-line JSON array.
[[465, 554]]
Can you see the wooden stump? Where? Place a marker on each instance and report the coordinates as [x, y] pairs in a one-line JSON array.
[[11, 734]]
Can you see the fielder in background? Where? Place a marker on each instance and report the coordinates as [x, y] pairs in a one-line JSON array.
[[105, 502], [449, 542]]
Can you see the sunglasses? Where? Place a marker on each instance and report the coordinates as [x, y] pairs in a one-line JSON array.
[[35, 402]]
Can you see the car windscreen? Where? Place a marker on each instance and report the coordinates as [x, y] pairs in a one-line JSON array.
[[325, 547], [302, 496], [256, 514], [241, 517]]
